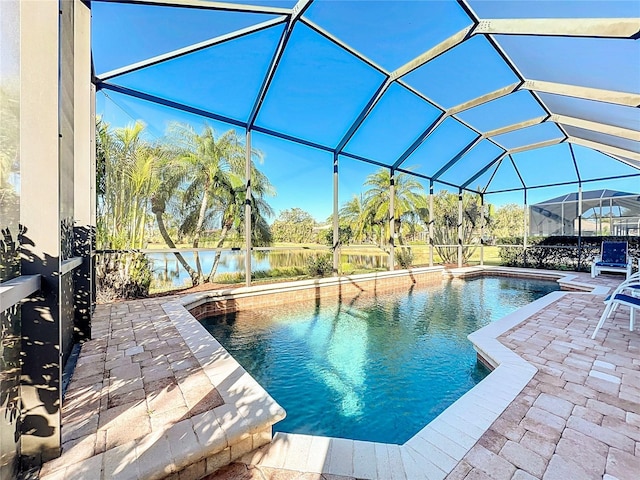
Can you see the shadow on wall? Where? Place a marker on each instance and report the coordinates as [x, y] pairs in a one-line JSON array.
[[10, 348], [48, 335]]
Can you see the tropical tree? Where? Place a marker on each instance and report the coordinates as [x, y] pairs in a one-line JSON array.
[[410, 204], [293, 226], [204, 184], [126, 181], [166, 206], [506, 221], [9, 179], [354, 216], [446, 220]]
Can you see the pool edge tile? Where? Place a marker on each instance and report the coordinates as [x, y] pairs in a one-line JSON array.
[[340, 461], [364, 461]]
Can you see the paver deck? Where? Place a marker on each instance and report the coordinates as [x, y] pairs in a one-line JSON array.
[[578, 417]]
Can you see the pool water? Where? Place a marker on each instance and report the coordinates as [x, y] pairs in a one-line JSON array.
[[375, 368]]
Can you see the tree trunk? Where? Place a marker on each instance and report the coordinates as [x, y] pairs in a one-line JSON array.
[[216, 261], [198, 231], [167, 239], [201, 215]]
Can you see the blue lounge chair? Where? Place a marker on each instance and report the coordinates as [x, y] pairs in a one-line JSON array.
[[627, 294], [613, 258]]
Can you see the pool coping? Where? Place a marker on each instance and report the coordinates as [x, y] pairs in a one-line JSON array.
[[439, 446], [243, 422]]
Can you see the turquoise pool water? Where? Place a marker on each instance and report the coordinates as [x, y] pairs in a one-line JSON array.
[[376, 368]]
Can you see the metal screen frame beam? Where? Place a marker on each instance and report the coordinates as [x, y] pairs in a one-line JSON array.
[[426, 177], [203, 113], [532, 146], [478, 28], [205, 5], [180, 52], [457, 157], [515, 167], [441, 108], [336, 216], [294, 15], [575, 162], [460, 227], [168, 103], [482, 99], [291, 138], [597, 127], [484, 170], [627, 99], [420, 140], [397, 74], [361, 159], [510, 63], [560, 184], [603, 147], [364, 113], [483, 222], [392, 219], [628, 162], [247, 209], [515, 126], [345, 46], [434, 52], [562, 27]]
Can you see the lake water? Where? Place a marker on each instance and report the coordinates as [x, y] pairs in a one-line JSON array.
[[168, 271]]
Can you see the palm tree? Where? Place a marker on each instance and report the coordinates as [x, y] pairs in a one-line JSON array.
[[206, 163], [170, 177], [410, 204], [207, 175], [232, 202], [353, 214], [126, 182]]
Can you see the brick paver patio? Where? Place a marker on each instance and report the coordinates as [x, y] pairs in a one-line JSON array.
[[578, 418], [135, 377]]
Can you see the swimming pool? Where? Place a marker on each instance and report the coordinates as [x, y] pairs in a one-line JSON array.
[[375, 368]]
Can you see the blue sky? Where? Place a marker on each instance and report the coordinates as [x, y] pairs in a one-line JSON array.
[[319, 89]]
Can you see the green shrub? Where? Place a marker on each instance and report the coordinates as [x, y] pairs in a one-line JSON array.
[[347, 268], [230, 278], [320, 266], [404, 257], [123, 275], [559, 252]]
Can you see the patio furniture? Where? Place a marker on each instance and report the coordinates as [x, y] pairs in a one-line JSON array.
[[613, 258], [626, 294]]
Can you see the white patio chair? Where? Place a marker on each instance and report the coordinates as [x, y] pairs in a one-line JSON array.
[[626, 294]]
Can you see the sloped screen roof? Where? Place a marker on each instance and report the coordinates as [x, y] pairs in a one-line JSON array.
[[481, 95]]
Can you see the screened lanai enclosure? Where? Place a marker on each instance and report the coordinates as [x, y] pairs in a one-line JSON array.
[[604, 212], [368, 134], [176, 142]]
